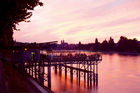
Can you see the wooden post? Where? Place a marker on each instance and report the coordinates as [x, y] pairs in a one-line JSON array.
[[90, 75], [71, 74], [79, 77], [77, 70], [55, 67], [60, 70], [65, 72], [87, 75], [29, 68], [32, 68], [94, 77], [49, 74], [84, 78], [88, 79], [35, 70], [84, 73], [96, 73], [42, 73], [39, 70]]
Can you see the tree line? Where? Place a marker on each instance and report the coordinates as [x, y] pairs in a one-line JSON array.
[[123, 45]]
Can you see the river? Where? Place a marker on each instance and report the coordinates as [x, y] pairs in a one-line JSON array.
[[116, 74]]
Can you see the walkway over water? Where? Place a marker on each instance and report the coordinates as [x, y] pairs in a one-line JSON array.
[[78, 65]]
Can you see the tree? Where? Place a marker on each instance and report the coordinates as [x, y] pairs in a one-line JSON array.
[[111, 44], [122, 44], [127, 45], [96, 45], [104, 45], [96, 41], [11, 13]]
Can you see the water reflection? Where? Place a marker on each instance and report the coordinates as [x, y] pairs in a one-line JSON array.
[[71, 80], [66, 85], [117, 74]]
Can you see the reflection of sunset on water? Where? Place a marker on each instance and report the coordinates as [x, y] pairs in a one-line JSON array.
[[117, 74]]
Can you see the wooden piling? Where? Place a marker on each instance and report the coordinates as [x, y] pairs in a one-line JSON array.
[[49, 74]]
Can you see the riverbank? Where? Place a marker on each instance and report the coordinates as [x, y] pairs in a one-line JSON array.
[[13, 81], [121, 53], [103, 52]]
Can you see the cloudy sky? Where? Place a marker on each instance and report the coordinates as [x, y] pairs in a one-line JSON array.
[[81, 20]]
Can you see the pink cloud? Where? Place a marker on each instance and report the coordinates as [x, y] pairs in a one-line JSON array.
[[76, 20]]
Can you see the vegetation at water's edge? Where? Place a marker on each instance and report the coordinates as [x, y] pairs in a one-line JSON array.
[[123, 45]]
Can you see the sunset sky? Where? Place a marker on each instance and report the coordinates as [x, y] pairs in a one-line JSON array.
[[81, 20]]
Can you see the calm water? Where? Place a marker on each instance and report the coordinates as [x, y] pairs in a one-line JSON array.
[[117, 74]]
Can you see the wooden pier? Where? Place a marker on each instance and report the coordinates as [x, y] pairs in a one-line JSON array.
[[77, 65]]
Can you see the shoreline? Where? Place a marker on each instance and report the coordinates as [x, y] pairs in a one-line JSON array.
[[104, 52], [120, 53]]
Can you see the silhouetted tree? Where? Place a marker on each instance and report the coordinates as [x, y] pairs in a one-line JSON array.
[[111, 44], [122, 44], [125, 44], [96, 41], [135, 44], [80, 46], [96, 45], [11, 13], [104, 45]]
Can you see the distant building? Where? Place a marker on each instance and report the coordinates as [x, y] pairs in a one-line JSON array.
[[64, 45]]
